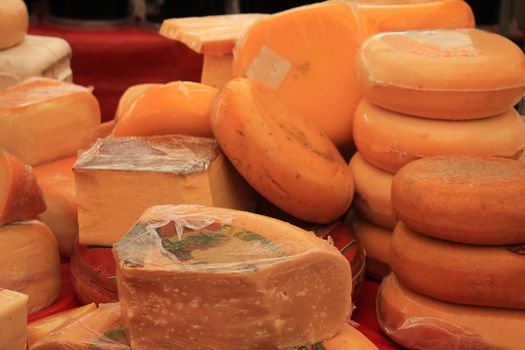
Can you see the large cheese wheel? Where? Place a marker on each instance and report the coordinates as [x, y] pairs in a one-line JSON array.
[[277, 285], [442, 74], [14, 22], [422, 323], [130, 95], [463, 199], [372, 192], [390, 140], [281, 153], [475, 275], [307, 55]]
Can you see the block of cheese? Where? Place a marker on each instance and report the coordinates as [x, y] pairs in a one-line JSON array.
[[58, 184], [421, 323], [130, 95], [14, 21], [281, 153], [399, 15], [30, 262], [372, 192], [217, 70], [463, 199], [43, 119], [20, 196], [36, 56], [183, 270], [181, 107], [118, 178], [390, 140], [452, 74], [13, 319], [40, 328], [307, 54]]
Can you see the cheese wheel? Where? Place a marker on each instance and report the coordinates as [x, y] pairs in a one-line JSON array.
[[390, 140], [30, 262], [421, 323], [277, 285], [281, 153], [130, 95], [463, 199], [20, 196], [452, 74], [14, 21], [307, 55], [372, 192], [180, 107]]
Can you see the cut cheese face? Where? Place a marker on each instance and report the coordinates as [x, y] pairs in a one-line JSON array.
[[119, 178], [280, 153], [474, 275], [130, 95], [176, 108], [463, 199], [217, 70], [30, 262], [307, 55], [43, 119], [14, 23], [390, 140], [418, 322], [372, 198], [190, 268], [13, 319], [452, 74], [58, 184]]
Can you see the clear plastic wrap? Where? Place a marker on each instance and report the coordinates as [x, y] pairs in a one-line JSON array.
[[194, 277]]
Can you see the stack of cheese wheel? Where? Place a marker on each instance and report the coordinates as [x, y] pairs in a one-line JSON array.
[[427, 93], [457, 256]]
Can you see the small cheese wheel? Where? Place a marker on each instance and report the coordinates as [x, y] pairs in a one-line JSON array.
[[390, 140], [179, 107], [421, 323], [130, 95], [307, 55], [372, 192], [442, 74], [14, 23], [463, 199], [281, 153]]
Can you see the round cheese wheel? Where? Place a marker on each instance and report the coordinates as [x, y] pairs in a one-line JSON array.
[[14, 21], [390, 140], [463, 199], [130, 95], [281, 153], [474, 275], [442, 74], [372, 192], [307, 55], [421, 323]]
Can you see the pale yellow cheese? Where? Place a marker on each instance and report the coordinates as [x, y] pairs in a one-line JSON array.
[[13, 319]]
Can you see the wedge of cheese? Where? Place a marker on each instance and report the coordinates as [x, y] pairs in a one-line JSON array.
[[130, 95], [390, 140], [14, 23], [118, 178], [30, 262], [13, 319], [20, 196], [182, 271], [43, 119], [418, 322]]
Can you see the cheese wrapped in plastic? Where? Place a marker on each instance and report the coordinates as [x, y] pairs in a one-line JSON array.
[[195, 277]]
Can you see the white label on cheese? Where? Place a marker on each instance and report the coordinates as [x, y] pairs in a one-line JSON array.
[[269, 68]]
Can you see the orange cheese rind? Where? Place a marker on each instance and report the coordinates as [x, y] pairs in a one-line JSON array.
[[131, 94]]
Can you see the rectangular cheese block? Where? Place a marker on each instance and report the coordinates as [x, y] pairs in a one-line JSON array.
[[13, 319], [36, 56], [118, 178], [43, 119], [217, 70]]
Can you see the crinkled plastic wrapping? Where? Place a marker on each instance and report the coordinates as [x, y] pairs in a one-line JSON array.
[[214, 278], [177, 154]]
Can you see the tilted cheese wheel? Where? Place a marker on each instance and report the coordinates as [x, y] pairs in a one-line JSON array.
[[276, 285], [14, 21], [390, 140], [372, 192], [463, 199], [422, 323], [130, 95], [442, 74], [180, 107], [307, 55], [281, 153]]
